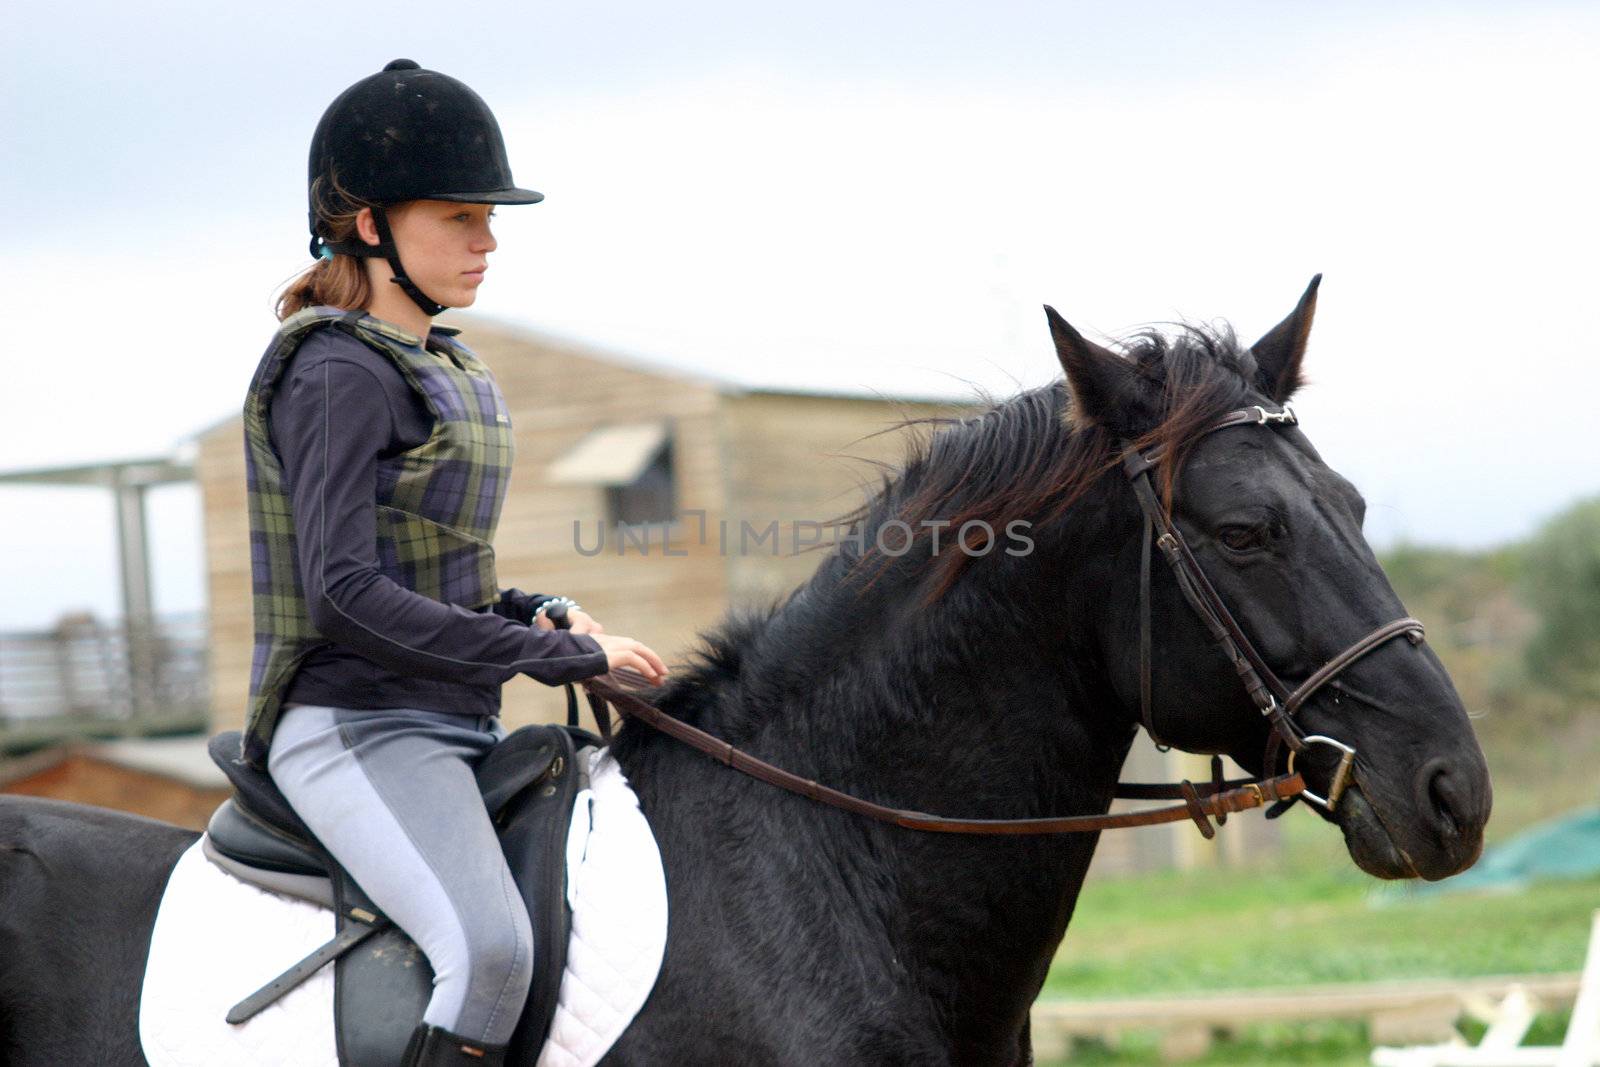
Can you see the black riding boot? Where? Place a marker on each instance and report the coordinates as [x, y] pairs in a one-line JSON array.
[[432, 1047]]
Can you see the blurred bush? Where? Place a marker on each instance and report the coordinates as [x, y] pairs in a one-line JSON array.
[[1561, 579], [1518, 627]]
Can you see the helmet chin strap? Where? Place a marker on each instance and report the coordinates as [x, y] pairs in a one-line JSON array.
[[387, 249]]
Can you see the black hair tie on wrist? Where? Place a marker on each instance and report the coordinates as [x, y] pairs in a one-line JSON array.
[[557, 614]]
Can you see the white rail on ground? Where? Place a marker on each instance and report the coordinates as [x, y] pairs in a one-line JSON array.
[[1502, 1043], [1395, 1011]]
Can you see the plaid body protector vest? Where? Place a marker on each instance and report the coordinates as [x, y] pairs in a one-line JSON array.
[[437, 504]]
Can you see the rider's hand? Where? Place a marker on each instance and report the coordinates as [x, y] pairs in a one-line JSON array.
[[628, 654], [582, 623]]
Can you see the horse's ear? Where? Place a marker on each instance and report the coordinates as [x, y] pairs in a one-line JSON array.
[[1279, 353], [1101, 384]]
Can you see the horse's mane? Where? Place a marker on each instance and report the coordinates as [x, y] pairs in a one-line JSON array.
[[1029, 456], [1035, 454]]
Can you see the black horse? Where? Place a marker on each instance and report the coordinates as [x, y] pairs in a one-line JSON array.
[[995, 684]]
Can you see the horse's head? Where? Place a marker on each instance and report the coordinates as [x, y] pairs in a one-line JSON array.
[[1277, 535]]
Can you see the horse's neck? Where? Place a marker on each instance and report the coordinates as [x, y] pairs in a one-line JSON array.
[[973, 717]]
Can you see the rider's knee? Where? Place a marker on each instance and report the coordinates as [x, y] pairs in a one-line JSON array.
[[503, 954]]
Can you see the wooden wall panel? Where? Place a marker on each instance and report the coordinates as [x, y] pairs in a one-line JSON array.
[[794, 458], [220, 471]]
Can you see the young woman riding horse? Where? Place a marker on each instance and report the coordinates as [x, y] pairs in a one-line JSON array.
[[993, 687], [801, 934], [378, 453]]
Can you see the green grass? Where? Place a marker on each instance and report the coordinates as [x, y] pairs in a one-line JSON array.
[[1309, 918], [1327, 1044], [1179, 932], [1337, 1043]]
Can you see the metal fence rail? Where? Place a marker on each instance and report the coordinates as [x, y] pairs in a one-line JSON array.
[[88, 675]]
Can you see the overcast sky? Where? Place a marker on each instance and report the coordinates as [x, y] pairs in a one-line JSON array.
[[863, 196]]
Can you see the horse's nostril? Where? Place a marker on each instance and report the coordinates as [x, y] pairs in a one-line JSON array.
[[1442, 796]]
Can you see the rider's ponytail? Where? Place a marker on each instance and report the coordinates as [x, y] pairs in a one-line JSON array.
[[336, 280]]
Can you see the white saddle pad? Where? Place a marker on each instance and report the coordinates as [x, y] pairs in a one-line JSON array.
[[217, 940]]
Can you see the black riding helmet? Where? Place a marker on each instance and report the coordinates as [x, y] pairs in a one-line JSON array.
[[406, 133]]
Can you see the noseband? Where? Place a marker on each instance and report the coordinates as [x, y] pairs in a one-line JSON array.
[[1276, 701]]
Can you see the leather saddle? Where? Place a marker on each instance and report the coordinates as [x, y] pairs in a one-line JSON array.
[[382, 981]]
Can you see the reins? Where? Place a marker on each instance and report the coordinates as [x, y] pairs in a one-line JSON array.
[[1217, 798], [1202, 802]]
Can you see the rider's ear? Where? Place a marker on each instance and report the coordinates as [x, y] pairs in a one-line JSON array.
[[1102, 386], [367, 227], [1279, 353]]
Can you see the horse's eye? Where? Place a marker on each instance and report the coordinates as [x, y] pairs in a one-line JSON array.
[[1243, 538]]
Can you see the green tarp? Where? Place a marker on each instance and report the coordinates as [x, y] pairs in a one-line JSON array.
[[1564, 847]]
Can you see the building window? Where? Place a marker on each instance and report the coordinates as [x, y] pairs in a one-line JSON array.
[[650, 497], [632, 464]]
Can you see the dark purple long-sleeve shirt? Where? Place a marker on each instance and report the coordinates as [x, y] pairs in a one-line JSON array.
[[339, 407]]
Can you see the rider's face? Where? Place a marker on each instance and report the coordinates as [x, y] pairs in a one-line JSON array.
[[444, 246]]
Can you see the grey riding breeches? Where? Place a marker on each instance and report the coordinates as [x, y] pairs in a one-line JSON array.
[[391, 794]]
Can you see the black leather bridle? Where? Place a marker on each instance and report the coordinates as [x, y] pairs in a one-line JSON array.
[[1276, 701]]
